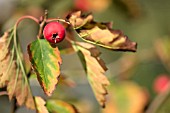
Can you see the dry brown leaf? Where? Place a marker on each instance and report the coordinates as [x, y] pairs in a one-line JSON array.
[[11, 75], [40, 104], [95, 69], [100, 33], [3, 46], [5, 57], [77, 19], [19, 88]]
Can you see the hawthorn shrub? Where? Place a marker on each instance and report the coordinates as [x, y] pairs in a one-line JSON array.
[[45, 59]]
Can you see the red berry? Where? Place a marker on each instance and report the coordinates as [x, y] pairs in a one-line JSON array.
[[160, 83], [54, 32]]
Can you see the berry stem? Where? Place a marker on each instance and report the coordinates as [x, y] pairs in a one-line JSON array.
[[42, 24], [27, 17], [69, 40]]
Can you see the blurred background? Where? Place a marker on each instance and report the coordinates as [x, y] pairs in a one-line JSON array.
[[138, 80]]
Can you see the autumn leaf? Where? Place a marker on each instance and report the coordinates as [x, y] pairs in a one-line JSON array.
[[5, 60], [126, 97], [95, 69], [58, 106], [46, 63], [12, 73], [17, 87], [100, 33], [40, 104]]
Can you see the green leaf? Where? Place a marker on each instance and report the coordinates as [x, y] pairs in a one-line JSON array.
[[46, 63], [58, 106], [95, 69], [100, 33]]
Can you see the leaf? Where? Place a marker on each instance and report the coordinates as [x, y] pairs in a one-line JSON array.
[[17, 87], [5, 60], [40, 104], [95, 69], [126, 97], [46, 63], [12, 73], [58, 106], [100, 33]]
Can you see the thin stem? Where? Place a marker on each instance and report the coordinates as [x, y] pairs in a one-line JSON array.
[[69, 40], [42, 25], [19, 58], [57, 19], [27, 17], [159, 100]]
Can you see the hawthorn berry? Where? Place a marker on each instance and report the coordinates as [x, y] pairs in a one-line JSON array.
[[54, 32], [161, 83]]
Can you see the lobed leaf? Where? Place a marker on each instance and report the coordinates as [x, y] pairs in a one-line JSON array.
[[46, 63], [100, 33], [58, 106], [11, 74], [95, 69]]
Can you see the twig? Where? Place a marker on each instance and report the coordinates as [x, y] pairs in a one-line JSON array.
[[159, 100], [3, 93], [42, 24]]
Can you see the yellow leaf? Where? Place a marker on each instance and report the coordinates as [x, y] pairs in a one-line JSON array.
[[100, 33], [40, 104], [95, 69]]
